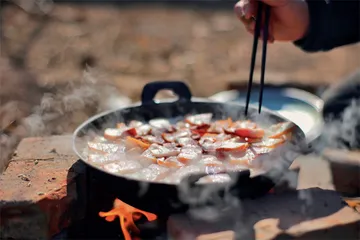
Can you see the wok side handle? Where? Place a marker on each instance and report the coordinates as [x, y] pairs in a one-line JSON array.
[[178, 87]]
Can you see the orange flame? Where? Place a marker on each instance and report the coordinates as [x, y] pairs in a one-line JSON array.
[[127, 214]]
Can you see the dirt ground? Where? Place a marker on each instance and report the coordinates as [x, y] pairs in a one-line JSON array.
[[132, 45]]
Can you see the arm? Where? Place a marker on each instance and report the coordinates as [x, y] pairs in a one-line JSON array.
[[333, 23]]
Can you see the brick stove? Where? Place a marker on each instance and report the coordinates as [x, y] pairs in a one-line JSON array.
[[46, 183], [45, 194]]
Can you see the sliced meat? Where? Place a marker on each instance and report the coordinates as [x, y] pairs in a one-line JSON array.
[[133, 153], [123, 167], [158, 168], [161, 151], [270, 143], [152, 173], [209, 160], [223, 137], [245, 129], [161, 124], [196, 136], [186, 141], [104, 147], [209, 144], [199, 119], [147, 158], [121, 125], [114, 134], [232, 146], [213, 136], [182, 125], [261, 150], [172, 137], [242, 158], [100, 139], [249, 132], [252, 140], [245, 124], [170, 162], [152, 139], [105, 158], [216, 178], [277, 130], [182, 172], [214, 168], [220, 125], [189, 154], [143, 130], [131, 142], [167, 150]]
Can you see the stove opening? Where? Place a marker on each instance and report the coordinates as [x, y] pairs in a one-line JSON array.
[[127, 215]]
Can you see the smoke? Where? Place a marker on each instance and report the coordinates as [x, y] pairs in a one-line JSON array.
[[61, 111], [215, 202], [342, 133]]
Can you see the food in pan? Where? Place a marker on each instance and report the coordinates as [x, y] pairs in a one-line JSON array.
[[164, 152]]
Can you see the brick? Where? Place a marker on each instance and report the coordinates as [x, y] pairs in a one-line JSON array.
[[44, 148], [314, 172], [38, 188]]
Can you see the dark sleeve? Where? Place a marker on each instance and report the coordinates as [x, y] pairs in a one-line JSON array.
[[333, 23]]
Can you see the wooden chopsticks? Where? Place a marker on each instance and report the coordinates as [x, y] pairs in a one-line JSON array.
[[265, 36]]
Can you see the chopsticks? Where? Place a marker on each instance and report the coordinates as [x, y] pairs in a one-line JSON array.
[[258, 26]]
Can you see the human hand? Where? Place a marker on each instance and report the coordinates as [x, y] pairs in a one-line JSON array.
[[289, 19]]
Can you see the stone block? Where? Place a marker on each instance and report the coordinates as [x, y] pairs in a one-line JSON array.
[[38, 189]]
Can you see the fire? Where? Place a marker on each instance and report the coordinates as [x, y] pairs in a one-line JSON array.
[[127, 215]]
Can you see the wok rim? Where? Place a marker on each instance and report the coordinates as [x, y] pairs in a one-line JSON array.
[[164, 101]]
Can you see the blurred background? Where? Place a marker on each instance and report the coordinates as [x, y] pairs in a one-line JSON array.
[[46, 45]]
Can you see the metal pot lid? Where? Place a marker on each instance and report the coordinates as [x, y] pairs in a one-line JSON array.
[[299, 106]]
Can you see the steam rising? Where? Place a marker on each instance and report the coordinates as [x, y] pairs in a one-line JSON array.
[[342, 133], [65, 109], [60, 112], [213, 202], [55, 110]]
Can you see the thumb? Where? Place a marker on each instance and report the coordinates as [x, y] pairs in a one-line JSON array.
[[247, 8], [244, 9]]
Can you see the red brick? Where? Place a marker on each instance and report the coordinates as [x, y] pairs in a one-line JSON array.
[[37, 188], [44, 148]]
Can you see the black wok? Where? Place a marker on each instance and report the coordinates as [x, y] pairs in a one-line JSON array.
[[160, 197]]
